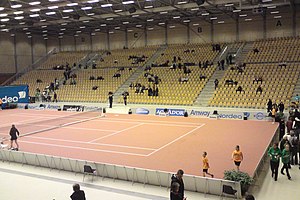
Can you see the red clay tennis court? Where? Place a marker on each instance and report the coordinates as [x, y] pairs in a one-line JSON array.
[[143, 141]]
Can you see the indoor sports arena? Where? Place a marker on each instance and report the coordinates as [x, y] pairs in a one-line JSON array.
[[149, 99]]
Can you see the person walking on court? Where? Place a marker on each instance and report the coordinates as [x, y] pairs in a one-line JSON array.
[[205, 165], [237, 157], [285, 158], [274, 153], [13, 137], [178, 179], [77, 194]]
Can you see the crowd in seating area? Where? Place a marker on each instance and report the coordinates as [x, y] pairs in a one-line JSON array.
[[126, 57], [164, 85], [186, 55], [255, 85], [93, 85], [275, 50], [58, 61]]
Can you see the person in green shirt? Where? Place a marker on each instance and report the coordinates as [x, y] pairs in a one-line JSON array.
[[285, 158], [274, 153]]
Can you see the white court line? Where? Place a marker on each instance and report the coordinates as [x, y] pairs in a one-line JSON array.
[[175, 140], [156, 123], [115, 133], [81, 148], [97, 144], [79, 128], [53, 116]]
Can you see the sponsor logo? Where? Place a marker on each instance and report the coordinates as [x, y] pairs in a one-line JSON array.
[[200, 113], [142, 111], [53, 107], [22, 94], [230, 116], [171, 112], [7, 99], [259, 116]]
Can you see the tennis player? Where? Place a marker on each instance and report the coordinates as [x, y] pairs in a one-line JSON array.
[[237, 157], [205, 165], [13, 137]]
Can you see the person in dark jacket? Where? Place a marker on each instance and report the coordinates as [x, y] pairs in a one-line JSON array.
[[110, 98], [13, 137], [281, 107], [77, 194], [269, 106], [174, 193], [178, 179]]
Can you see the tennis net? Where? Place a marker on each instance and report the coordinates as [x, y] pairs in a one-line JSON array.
[[47, 123]]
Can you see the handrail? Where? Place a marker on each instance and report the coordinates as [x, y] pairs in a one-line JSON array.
[[30, 67]]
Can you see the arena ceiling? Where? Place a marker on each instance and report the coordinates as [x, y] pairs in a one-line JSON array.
[[75, 17]]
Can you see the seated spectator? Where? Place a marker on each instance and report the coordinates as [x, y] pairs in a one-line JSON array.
[[240, 89], [282, 64], [259, 89], [255, 79], [200, 64], [150, 91], [142, 89], [94, 87], [240, 70], [92, 78], [94, 66], [100, 78], [131, 85], [39, 81], [183, 79], [260, 80], [229, 82], [179, 65], [202, 77], [121, 69], [116, 61], [256, 51], [117, 75], [186, 70], [73, 81], [173, 66], [130, 68], [148, 68], [137, 89], [155, 91]]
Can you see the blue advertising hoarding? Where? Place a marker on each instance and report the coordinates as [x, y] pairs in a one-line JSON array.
[[14, 94]]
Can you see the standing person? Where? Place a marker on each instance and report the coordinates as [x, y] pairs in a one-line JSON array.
[[205, 165], [178, 179], [174, 194], [54, 97], [13, 137], [77, 194], [269, 106], [216, 83], [274, 153], [294, 148], [125, 94], [281, 107], [285, 158], [237, 157], [110, 98], [289, 124]]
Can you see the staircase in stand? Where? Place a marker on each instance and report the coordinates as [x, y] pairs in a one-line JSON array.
[[137, 73]]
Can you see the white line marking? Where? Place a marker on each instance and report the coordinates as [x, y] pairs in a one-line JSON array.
[[175, 140], [79, 128], [115, 133], [97, 144], [82, 148], [138, 121]]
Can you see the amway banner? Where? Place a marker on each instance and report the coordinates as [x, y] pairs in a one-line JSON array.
[[14, 94]]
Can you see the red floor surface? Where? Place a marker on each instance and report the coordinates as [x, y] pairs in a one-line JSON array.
[[150, 142]]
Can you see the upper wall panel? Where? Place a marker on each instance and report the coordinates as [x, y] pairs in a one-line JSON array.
[[177, 34], [251, 30], [225, 32], [136, 38], [156, 36], [7, 64], [117, 40], [99, 42], [83, 43], [200, 32], [67, 43]]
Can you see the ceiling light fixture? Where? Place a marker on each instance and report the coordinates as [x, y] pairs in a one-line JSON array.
[[35, 3], [16, 6], [127, 2], [35, 10], [87, 8], [106, 5], [50, 13], [52, 7]]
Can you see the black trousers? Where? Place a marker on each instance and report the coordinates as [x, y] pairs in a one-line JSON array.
[[110, 104], [286, 167], [125, 102], [294, 155], [274, 169]]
